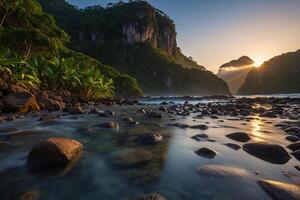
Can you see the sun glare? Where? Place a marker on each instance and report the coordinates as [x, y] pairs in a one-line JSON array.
[[258, 62]]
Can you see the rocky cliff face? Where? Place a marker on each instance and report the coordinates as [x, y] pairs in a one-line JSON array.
[[139, 40]]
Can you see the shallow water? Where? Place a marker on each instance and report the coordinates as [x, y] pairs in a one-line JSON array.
[[172, 172]]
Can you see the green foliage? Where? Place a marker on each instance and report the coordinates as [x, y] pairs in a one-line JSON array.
[[127, 86]]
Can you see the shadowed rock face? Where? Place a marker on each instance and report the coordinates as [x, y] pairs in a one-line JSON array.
[[280, 190], [54, 151], [272, 153]]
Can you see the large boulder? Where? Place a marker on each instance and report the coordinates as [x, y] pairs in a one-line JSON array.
[[280, 190], [54, 151], [149, 138], [239, 136], [272, 153], [20, 102]]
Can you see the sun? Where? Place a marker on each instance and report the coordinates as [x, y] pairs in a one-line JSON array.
[[258, 63]]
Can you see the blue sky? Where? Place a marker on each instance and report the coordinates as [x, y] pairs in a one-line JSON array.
[[216, 31]]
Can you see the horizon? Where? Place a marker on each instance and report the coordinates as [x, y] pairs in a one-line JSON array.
[[257, 29]]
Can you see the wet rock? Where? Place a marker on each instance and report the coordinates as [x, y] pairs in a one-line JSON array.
[[293, 131], [108, 125], [222, 171], [76, 110], [154, 115], [233, 146], [28, 195], [24, 134], [52, 104], [107, 113], [200, 126], [94, 111], [294, 146], [272, 153], [206, 153], [292, 138], [20, 102], [152, 196], [133, 158], [239, 136], [269, 114], [280, 190], [297, 167], [149, 138], [296, 154], [54, 151], [178, 125], [199, 137]]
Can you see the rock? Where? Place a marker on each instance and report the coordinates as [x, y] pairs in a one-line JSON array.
[[199, 137], [221, 171], [206, 153], [293, 130], [20, 102], [239, 136], [233, 146], [200, 126], [75, 110], [149, 138], [133, 158], [296, 154], [272, 153], [280, 190], [154, 115], [152, 196], [28, 195], [51, 104], [16, 89], [54, 151], [269, 114], [294, 146], [297, 167], [179, 125], [94, 111], [292, 138], [84, 131], [108, 125]]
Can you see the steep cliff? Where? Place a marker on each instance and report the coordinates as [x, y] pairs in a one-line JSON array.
[[277, 75], [235, 72], [137, 39]]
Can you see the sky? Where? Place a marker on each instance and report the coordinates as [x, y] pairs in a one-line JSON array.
[[214, 32]]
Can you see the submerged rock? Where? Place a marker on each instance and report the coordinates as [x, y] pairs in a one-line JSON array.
[[296, 154], [149, 138], [108, 125], [292, 138], [154, 115], [199, 137], [206, 153], [280, 190], [54, 151], [133, 158], [222, 171], [152, 196], [272, 153], [239, 136], [179, 125]]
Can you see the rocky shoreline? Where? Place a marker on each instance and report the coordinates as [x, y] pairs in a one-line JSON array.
[[17, 102]]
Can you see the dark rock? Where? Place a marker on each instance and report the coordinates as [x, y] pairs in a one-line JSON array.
[[28, 195], [294, 146], [280, 190], [152, 196], [296, 154], [84, 131], [154, 115], [133, 158], [293, 131], [149, 138], [239, 136], [20, 102], [200, 126], [108, 125], [52, 105], [269, 115], [272, 153], [292, 138], [54, 151], [297, 167], [206, 153], [16, 89], [233, 146], [199, 137], [179, 125], [75, 110]]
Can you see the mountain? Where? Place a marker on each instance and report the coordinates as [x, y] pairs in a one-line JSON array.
[[235, 72], [139, 40], [277, 75]]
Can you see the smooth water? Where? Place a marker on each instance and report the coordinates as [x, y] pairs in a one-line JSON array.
[[172, 172]]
